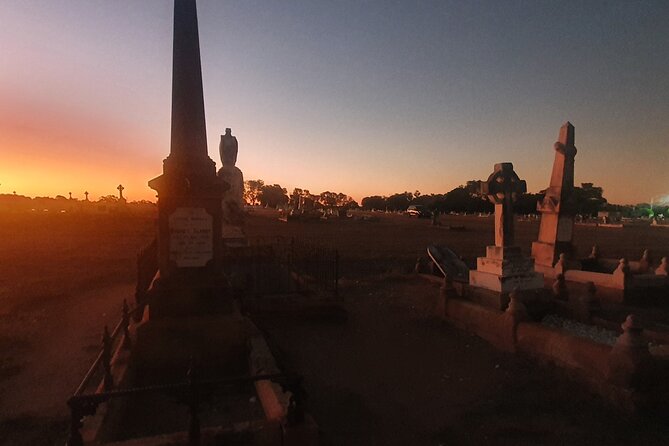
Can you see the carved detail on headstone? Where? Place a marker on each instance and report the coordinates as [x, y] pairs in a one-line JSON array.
[[504, 268], [502, 188]]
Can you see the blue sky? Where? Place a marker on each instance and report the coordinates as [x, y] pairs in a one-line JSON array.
[[360, 97]]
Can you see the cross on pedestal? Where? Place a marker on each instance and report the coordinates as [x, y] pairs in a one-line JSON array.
[[502, 188], [70, 195], [120, 189], [86, 193]]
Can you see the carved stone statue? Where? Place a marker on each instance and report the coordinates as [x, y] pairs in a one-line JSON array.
[[233, 201]]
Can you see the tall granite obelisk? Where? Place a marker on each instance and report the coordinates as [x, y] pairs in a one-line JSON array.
[[189, 192], [558, 207]]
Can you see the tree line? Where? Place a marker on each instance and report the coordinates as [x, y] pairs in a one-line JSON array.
[[588, 199], [256, 192]]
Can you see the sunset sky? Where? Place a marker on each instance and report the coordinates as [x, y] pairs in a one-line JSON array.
[[361, 97]]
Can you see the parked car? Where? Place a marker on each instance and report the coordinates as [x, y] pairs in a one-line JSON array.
[[417, 210]]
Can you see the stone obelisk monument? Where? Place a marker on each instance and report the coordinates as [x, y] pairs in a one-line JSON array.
[[558, 208], [189, 192]]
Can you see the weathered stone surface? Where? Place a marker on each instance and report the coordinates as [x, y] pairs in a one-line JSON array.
[[506, 284], [502, 187], [630, 356], [504, 268], [189, 175], [233, 198], [558, 209]]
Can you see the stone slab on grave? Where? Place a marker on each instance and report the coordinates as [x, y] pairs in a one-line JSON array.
[[448, 263]]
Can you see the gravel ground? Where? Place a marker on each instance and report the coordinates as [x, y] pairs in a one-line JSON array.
[[581, 330]]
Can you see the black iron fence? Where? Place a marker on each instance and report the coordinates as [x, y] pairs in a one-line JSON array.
[[147, 267], [191, 392], [314, 267]]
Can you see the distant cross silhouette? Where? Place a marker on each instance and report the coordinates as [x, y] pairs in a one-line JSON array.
[[70, 195], [120, 191], [502, 187], [86, 193]]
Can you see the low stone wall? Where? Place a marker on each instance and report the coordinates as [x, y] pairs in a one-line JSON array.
[[586, 357], [625, 374], [487, 323]]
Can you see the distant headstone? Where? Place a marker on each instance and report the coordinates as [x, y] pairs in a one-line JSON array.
[[120, 189]]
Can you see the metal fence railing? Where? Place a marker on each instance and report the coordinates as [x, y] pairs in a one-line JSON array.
[[315, 266], [190, 392]]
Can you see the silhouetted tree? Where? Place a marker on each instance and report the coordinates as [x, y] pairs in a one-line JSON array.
[[374, 202], [252, 189], [107, 199], [527, 203], [430, 201], [589, 199], [328, 199], [399, 202], [462, 199], [273, 196], [474, 187]]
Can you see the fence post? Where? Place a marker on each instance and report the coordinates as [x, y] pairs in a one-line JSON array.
[[127, 343], [75, 439], [108, 381], [193, 406], [336, 274], [295, 413]]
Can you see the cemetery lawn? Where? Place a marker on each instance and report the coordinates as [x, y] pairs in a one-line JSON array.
[[391, 375]]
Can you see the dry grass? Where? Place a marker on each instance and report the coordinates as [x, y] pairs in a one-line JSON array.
[[63, 276], [55, 256]]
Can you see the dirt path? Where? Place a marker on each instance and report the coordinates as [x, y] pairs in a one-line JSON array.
[[393, 375], [48, 350]]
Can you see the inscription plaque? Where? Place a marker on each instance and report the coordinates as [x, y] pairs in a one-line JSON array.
[[191, 237]]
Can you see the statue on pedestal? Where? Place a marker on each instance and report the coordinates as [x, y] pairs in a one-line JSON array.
[[233, 198]]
